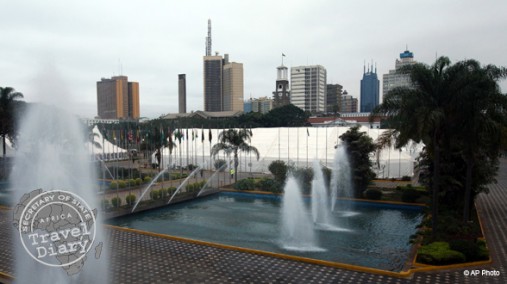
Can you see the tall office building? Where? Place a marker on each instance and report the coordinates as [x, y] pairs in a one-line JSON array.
[[117, 98], [182, 93], [308, 88], [223, 81], [369, 89], [281, 96], [396, 79], [232, 85], [333, 98]]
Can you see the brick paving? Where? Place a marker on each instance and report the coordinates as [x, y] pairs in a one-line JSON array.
[[137, 258]]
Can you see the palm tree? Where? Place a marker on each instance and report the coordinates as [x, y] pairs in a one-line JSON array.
[[419, 113], [7, 96], [232, 141]]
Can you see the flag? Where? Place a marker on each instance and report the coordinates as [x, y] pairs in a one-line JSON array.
[[202, 135], [186, 134], [130, 136], [138, 135], [104, 133], [283, 55], [161, 136], [209, 135], [170, 135], [193, 135], [307, 131]]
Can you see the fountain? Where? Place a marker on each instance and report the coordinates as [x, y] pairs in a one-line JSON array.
[[320, 197], [341, 184], [148, 187], [211, 178], [183, 183], [297, 229], [52, 156]]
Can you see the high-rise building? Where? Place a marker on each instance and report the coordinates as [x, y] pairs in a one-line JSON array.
[[369, 89], [308, 88], [213, 83], [262, 105], [333, 98], [232, 85], [117, 98], [281, 96], [223, 81], [396, 79], [182, 93], [348, 103]]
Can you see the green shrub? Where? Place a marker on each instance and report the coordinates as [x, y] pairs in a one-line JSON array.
[[139, 181], [219, 164], [271, 185], [245, 184], [113, 185], [105, 204], [163, 192], [410, 195], [116, 201], [439, 253], [406, 178], [373, 194], [473, 250], [122, 184], [171, 190], [130, 199], [147, 179], [279, 170], [155, 194]]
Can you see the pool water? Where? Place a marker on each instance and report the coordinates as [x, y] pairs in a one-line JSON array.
[[372, 235]]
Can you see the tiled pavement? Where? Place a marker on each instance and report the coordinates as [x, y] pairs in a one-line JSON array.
[[139, 258]]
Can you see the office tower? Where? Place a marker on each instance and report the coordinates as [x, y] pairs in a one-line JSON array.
[[369, 89], [232, 85], [281, 96], [182, 93], [213, 83], [333, 98], [308, 88], [348, 103], [117, 98], [396, 79]]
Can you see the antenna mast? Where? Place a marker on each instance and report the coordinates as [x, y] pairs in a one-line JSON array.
[[208, 39]]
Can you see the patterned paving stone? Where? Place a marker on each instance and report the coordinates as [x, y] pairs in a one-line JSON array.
[[137, 258]]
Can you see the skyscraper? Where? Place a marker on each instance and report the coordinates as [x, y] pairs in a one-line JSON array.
[[334, 98], [281, 95], [348, 103], [182, 93], [369, 90], [308, 88], [223, 81], [396, 79], [117, 98]]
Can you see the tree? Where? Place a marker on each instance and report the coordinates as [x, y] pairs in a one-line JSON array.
[[288, 115], [232, 141], [7, 128], [359, 146]]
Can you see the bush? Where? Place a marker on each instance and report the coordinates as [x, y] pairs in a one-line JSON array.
[[406, 178], [147, 179], [113, 185], [171, 190], [373, 194], [130, 199], [116, 201], [105, 204], [271, 185], [219, 164], [191, 167], [122, 184], [155, 194], [439, 253], [245, 184], [139, 181], [278, 169], [163, 192], [473, 250], [410, 195]]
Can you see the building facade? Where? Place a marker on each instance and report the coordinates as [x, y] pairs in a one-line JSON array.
[[308, 88], [395, 78], [182, 93], [262, 105], [213, 83], [117, 98], [348, 103], [333, 98], [281, 95], [232, 86], [369, 90]]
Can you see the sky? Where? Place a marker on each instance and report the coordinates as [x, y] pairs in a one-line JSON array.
[[56, 51]]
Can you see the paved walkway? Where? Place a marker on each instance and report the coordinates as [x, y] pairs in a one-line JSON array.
[[137, 258]]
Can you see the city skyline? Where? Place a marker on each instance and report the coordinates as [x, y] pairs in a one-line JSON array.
[[58, 50]]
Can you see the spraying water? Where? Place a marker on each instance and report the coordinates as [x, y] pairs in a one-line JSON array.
[[183, 183], [320, 197], [341, 183], [148, 187], [52, 156], [297, 228], [211, 178]]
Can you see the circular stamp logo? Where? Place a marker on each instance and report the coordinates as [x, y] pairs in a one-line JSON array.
[[57, 228]]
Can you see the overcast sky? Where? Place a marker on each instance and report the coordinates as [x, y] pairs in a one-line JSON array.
[[56, 51]]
